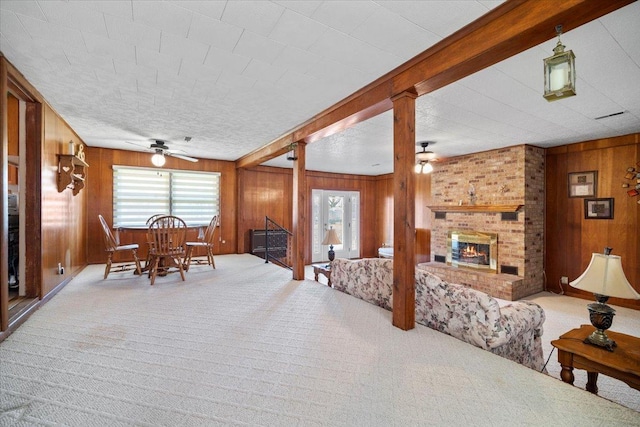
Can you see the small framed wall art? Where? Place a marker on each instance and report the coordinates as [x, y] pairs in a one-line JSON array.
[[598, 208], [583, 184]]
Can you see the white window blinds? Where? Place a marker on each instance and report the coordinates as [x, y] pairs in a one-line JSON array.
[[139, 193]]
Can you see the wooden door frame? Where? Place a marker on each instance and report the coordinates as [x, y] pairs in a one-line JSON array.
[[11, 81]]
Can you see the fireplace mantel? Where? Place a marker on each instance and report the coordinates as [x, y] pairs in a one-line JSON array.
[[476, 208]]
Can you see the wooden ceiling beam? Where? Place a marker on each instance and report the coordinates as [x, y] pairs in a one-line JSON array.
[[505, 31]]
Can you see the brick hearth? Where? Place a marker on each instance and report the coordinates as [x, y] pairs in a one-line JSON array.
[[504, 286]]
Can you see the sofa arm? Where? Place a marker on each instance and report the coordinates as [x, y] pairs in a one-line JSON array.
[[516, 320], [340, 274]]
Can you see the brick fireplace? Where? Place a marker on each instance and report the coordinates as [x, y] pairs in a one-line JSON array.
[[498, 192]]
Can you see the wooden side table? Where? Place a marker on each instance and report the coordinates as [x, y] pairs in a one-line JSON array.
[[622, 363], [324, 269]]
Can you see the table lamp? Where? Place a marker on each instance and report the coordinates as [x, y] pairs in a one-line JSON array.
[[331, 238], [605, 278]]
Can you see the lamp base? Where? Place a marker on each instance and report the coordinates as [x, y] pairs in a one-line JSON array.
[[332, 254], [601, 316], [600, 338]]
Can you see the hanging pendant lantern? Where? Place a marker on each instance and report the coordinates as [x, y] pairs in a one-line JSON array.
[[559, 72]]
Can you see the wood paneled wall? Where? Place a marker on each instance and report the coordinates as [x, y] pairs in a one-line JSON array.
[[267, 191], [100, 189], [55, 222], [63, 214], [384, 216], [570, 238]]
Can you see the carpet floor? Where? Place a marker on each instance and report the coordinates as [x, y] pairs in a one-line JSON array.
[[246, 345]]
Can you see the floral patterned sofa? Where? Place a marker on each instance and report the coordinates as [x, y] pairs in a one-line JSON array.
[[370, 279], [513, 331]]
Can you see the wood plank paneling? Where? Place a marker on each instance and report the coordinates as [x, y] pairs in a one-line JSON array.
[[268, 191], [100, 187], [63, 219], [570, 238], [384, 220]]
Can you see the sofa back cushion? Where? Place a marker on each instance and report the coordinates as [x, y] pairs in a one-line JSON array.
[[457, 310], [370, 279]]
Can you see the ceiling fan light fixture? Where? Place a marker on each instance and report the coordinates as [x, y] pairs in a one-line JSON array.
[[422, 159], [158, 159], [423, 167]]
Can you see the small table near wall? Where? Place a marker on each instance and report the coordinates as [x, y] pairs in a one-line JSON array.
[[623, 363], [324, 269]]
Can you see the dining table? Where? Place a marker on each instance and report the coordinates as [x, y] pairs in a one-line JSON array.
[[125, 234]]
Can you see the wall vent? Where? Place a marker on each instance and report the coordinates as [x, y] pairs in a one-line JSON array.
[[509, 216], [441, 215], [507, 269], [440, 258], [606, 116]]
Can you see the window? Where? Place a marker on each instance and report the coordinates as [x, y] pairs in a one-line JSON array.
[[139, 193]]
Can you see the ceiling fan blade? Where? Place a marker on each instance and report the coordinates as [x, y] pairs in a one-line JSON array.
[[140, 145], [180, 156]]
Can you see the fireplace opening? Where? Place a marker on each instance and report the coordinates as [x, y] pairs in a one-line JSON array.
[[472, 249], [475, 253]]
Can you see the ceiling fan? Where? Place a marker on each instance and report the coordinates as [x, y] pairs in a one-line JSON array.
[[424, 157], [160, 149]]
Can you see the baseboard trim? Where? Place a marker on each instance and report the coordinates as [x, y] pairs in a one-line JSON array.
[[33, 306]]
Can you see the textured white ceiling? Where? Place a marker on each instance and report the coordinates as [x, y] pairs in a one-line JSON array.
[[234, 75]]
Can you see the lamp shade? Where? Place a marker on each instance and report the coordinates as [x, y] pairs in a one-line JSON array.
[[604, 276], [331, 238], [423, 167]]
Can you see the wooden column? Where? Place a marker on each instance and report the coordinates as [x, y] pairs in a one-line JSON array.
[[299, 220], [404, 256]]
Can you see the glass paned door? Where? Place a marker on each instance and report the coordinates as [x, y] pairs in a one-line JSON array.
[[339, 210]]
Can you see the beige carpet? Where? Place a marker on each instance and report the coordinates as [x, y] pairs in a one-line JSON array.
[[245, 345], [562, 314]]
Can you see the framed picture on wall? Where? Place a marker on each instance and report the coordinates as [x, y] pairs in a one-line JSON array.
[[583, 184], [598, 208]]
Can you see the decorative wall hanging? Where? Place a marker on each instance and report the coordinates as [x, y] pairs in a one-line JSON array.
[[632, 174], [583, 184], [598, 208]]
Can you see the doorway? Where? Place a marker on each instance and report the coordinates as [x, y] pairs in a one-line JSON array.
[[20, 280], [339, 210]]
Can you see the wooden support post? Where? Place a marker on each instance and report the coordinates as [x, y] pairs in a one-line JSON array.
[[299, 219], [404, 256]]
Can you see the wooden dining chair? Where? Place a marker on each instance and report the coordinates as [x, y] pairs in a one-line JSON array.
[[150, 240], [112, 245], [206, 242], [169, 237]]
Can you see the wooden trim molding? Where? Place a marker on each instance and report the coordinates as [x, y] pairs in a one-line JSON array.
[[475, 208]]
